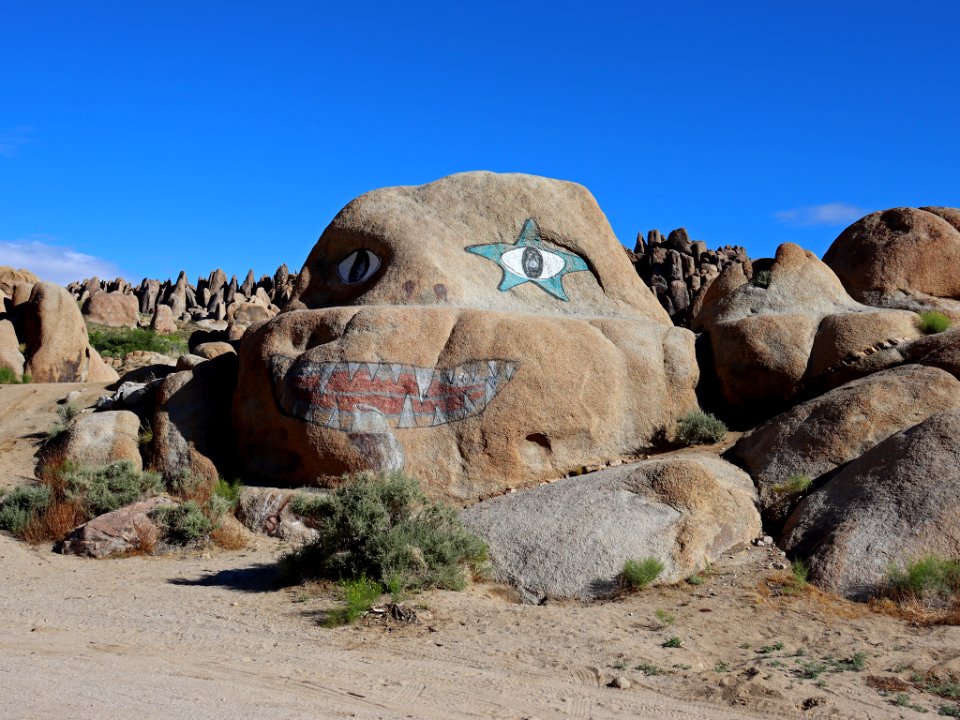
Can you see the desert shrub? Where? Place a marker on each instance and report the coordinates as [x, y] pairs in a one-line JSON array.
[[22, 505], [932, 322], [184, 523], [699, 427], [117, 342], [358, 596], [801, 573], [637, 574], [794, 484], [761, 279], [228, 491], [382, 527], [9, 377], [311, 505], [929, 578], [108, 487], [188, 486]]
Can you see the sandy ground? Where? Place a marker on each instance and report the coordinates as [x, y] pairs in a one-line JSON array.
[[210, 634]]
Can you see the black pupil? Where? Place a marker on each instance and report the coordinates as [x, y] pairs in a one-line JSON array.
[[361, 264], [532, 262]]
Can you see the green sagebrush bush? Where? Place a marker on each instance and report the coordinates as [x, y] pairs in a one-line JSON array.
[[383, 527], [698, 427]]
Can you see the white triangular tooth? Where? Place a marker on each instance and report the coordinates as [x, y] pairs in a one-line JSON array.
[[395, 370], [407, 417], [439, 418], [491, 391], [470, 405], [333, 421], [424, 379], [511, 369], [372, 370], [352, 368], [493, 367], [324, 373]]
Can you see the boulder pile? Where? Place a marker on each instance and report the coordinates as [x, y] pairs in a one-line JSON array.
[[679, 270], [212, 300]]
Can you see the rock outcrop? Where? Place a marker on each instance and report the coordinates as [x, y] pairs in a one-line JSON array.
[[102, 438], [680, 270], [125, 530], [55, 335], [113, 309], [815, 438], [902, 258], [897, 502], [797, 332], [483, 331], [570, 538]]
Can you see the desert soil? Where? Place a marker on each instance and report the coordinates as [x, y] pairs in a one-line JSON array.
[[211, 634]]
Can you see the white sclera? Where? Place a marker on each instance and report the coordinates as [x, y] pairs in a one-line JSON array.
[[346, 265], [552, 263]]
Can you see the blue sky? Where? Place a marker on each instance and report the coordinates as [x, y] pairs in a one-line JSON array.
[[142, 140]]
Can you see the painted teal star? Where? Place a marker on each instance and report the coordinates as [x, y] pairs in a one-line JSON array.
[[529, 261]]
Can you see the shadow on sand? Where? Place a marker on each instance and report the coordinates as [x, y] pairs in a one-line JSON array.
[[256, 578]]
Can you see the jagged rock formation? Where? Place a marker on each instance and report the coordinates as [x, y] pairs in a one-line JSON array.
[[678, 269], [212, 298]]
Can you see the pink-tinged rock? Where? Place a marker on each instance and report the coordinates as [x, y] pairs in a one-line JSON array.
[[125, 530]]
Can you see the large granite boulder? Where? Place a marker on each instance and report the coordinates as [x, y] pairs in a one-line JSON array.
[[570, 538], [897, 502], [11, 277], [795, 332], [102, 438], [814, 438], [902, 258], [113, 309], [56, 336], [482, 332]]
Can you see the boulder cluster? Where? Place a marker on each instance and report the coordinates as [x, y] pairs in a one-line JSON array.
[[42, 334], [679, 270], [486, 334], [213, 302]]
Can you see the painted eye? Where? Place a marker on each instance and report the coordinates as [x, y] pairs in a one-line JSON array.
[[358, 266], [533, 263]]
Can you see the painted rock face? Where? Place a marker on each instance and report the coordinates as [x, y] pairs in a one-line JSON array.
[[480, 332]]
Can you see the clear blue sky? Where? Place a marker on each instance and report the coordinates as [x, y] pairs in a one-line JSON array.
[[144, 138]]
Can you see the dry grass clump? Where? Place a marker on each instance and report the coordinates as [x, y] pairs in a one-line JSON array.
[[925, 591]]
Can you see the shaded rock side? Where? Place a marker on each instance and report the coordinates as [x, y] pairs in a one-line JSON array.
[[816, 437], [898, 501], [191, 425], [113, 309], [570, 538]]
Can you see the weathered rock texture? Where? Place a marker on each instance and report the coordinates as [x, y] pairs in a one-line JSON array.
[[820, 435], [482, 331], [102, 438], [10, 356], [127, 529], [902, 258], [113, 309], [570, 538], [797, 333], [679, 270], [10, 278], [896, 503], [56, 336]]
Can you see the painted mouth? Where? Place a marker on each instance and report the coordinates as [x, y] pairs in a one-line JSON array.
[[377, 396]]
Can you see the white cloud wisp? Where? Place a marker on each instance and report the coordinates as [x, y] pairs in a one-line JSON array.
[[832, 214], [55, 264]]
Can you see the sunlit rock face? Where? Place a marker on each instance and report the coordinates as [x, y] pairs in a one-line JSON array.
[[480, 332]]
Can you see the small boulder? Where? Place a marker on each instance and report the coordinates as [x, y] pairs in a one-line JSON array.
[[897, 502], [113, 309], [127, 529], [163, 322], [102, 438], [210, 350], [570, 538]]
